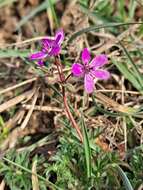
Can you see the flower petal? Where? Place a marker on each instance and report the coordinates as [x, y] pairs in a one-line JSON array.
[[41, 63], [77, 70], [101, 74], [99, 61], [47, 43], [85, 56], [59, 37], [88, 83], [38, 55], [54, 51]]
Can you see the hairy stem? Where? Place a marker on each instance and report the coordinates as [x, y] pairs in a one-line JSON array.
[[63, 80]]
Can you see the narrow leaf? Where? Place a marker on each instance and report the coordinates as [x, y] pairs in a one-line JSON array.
[[96, 28], [128, 74], [125, 179], [133, 65], [14, 53], [87, 149], [53, 13]]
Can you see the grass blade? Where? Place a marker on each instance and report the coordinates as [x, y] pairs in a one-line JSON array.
[[128, 74], [53, 13], [29, 171], [133, 6], [96, 28], [14, 53], [125, 179], [43, 6], [87, 149], [1, 121], [133, 65]]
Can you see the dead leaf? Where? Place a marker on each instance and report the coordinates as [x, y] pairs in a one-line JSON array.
[[18, 85], [47, 108], [35, 182], [104, 146], [11, 123], [114, 105], [16, 100], [30, 110]]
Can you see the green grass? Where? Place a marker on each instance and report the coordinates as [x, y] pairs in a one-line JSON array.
[[69, 165], [6, 2]]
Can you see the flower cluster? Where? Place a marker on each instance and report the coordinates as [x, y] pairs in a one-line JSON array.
[[88, 69], [50, 47]]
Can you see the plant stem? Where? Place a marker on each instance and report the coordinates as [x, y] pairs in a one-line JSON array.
[[70, 114], [67, 77], [63, 80]]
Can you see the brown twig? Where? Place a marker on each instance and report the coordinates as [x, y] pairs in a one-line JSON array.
[[43, 108]]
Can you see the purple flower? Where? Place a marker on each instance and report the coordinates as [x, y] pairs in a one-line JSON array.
[[50, 47], [90, 70]]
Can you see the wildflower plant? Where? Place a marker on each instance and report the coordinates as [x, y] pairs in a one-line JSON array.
[[89, 69]]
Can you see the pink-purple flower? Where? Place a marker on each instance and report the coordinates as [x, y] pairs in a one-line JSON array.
[[90, 70], [50, 47]]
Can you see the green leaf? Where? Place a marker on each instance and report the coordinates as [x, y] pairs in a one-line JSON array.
[[87, 149], [125, 179], [53, 13], [1, 121], [121, 10], [133, 6], [128, 74], [14, 53], [133, 66]]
